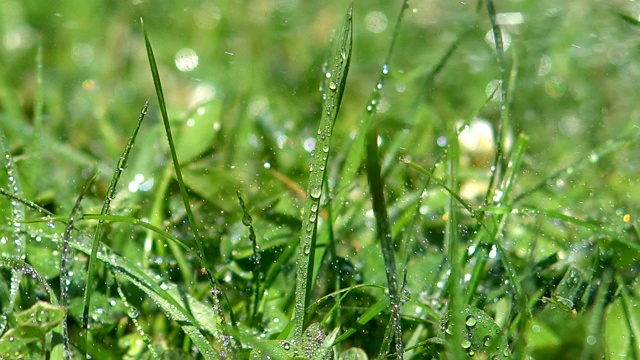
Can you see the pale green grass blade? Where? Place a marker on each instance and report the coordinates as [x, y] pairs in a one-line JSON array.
[[334, 87], [223, 337], [106, 209], [383, 230]]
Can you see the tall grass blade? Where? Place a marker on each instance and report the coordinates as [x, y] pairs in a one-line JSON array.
[[503, 125], [335, 83], [383, 228], [356, 154], [106, 210], [222, 336], [453, 250], [17, 216], [65, 257]]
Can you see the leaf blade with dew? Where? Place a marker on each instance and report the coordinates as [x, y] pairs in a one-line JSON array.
[[383, 230], [224, 338], [336, 82], [106, 210], [17, 214], [65, 257]]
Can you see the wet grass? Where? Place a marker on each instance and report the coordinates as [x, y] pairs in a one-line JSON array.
[[245, 214]]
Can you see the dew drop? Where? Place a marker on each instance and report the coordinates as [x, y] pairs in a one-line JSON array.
[[465, 344], [246, 219], [332, 85], [315, 192], [471, 321]]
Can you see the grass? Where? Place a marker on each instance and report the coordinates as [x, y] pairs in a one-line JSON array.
[[232, 210]]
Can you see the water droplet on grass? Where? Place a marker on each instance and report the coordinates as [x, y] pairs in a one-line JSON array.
[[315, 192]]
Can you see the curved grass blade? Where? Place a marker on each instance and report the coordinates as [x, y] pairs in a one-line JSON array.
[[383, 230], [106, 209], [335, 83], [64, 259], [166, 296], [223, 337], [132, 312]]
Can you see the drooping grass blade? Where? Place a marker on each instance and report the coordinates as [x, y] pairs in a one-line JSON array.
[[106, 210], [222, 336], [335, 83]]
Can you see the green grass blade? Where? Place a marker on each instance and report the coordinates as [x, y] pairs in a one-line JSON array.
[[629, 306], [224, 338], [503, 126], [166, 296], [383, 228], [356, 153], [65, 257], [106, 209], [335, 84], [453, 250], [17, 215]]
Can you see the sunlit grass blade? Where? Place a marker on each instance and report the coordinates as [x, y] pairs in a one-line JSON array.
[[224, 339], [335, 83], [106, 209], [383, 230], [65, 257]]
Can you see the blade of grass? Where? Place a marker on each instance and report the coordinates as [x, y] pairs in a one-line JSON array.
[[356, 152], [106, 209], [335, 84], [629, 302], [503, 125], [222, 336], [166, 296], [248, 222], [452, 245], [383, 230], [17, 215], [65, 257]]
